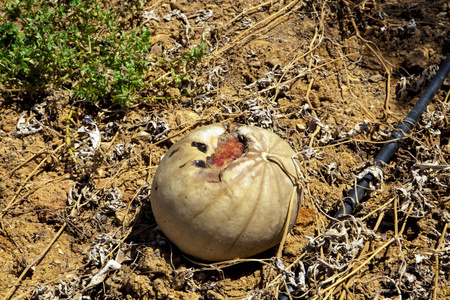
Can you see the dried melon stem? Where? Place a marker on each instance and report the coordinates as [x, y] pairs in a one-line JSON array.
[[228, 149]]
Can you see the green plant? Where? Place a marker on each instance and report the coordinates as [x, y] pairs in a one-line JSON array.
[[74, 44], [187, 59], [179, 67]]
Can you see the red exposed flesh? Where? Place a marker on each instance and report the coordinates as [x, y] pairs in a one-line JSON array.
[[227, 150]]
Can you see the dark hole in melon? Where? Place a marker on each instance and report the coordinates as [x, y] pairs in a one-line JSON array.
[[200, 146], [200, 163]]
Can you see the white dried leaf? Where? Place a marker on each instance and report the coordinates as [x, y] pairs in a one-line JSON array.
[[181, 16], [203, 15], [420, 180], [101, 276], [91, 129], [359, 128], [25, 127], [377, 174], [150, 15], [419, 258]]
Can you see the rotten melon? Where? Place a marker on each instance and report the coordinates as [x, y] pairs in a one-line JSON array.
[[223, 192]]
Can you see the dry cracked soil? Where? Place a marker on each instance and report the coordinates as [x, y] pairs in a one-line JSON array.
[[332, 78]]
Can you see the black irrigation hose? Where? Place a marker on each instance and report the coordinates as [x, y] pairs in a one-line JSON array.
[[396, 139]]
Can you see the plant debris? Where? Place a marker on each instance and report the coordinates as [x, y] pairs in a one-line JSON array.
[[88, 113]]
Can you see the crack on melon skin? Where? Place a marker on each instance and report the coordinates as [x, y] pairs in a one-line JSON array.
[[229, 148]]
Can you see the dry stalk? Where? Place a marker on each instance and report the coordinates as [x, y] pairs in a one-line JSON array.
[[308, 100], [227, 263], [380, 58], [200, 121], [34, 263], [349, 294], [396, 220], [316, 131], [377, 209], [447, 97], [377, 224], [436, 261], [303, 73], [286, 223], [150, 165], [356, 270], [14, 198], [111, 143], [247, 12], [368, 113], [296, 186], [313, 135], [363, 251], [43, 254], [312, 47], [23, 163], [269, 22], [411, 206]]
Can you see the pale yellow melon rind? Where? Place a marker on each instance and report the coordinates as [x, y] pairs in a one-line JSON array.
[[236, 214]]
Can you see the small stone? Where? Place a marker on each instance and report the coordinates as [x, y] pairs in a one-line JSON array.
[[173, 92], [274, 62], [293, 249], [152, 262], [143, 135], [211, 295], [446, 149], [100, 172], [255, 63], [179, 280], [376, 78], [156, 51], [369, 30], [120, 216], [300, 127], [138, 285], [416, 61], [162, 289]]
